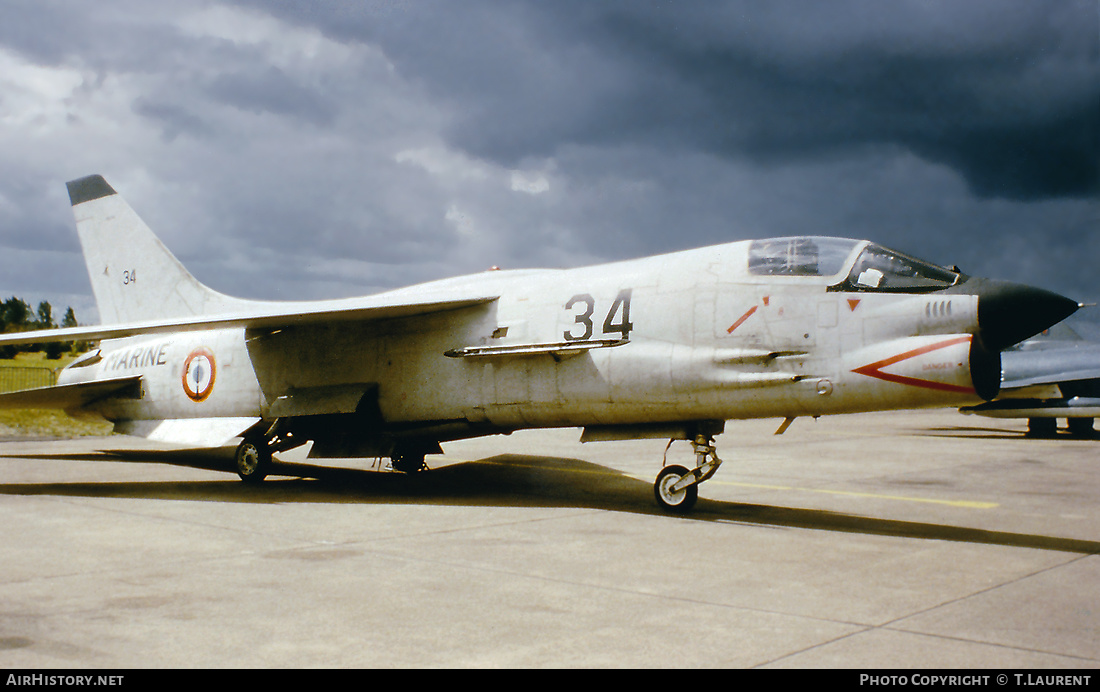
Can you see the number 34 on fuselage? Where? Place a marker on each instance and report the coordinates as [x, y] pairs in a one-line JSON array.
[[671, 346]]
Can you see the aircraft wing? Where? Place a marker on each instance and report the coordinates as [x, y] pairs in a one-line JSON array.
[[268, 316], [1054, 365], [1073, 407], [70, 396]]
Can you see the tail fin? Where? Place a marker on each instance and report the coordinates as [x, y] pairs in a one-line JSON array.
[[134, 276]]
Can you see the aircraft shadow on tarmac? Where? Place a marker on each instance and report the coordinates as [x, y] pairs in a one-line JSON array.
[[980, 433], [969, 432], [503, 481]]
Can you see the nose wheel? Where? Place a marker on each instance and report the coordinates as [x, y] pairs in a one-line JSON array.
[[677, 488], [671, 499]]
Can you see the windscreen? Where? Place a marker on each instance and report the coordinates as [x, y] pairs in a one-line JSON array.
[[881, 269]]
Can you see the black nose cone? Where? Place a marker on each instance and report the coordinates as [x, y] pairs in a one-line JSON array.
[[1008, 312]]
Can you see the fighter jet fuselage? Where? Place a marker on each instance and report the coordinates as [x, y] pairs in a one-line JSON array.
[[686, 336], [671, 345]]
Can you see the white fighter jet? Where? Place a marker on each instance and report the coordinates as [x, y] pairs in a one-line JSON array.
[[670, 346]]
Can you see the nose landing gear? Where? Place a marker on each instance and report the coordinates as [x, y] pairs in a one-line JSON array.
[[677, 488]]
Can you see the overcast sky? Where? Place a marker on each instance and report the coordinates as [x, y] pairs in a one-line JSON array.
[[299, 149]]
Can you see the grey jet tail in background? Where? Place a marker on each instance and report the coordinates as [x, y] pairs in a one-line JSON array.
[[670, 346]]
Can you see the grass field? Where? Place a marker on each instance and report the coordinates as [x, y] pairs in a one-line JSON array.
[[35, 422]]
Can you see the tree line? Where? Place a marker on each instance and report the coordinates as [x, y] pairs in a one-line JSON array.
[[16, 316]]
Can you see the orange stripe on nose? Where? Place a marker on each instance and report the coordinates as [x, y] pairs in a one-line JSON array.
[[875, 369]]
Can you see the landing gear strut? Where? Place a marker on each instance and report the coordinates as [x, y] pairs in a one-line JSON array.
[[676, 487], [1042, 427], [1048, 427], [1081, 427]]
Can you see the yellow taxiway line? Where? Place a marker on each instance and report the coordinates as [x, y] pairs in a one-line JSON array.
[[967, 504]]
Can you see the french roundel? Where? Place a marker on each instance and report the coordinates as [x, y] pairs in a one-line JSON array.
[[199, 371]]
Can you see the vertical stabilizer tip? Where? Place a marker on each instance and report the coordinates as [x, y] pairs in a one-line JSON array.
[[88, 188]]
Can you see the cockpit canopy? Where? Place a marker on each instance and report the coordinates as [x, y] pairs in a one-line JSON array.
[[851, 265]]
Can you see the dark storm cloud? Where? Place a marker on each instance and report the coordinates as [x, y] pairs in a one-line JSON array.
[[1005, 92], [174, 118], [972, 106], [307, 150], [112, 35], [266, 90], [271, 90]]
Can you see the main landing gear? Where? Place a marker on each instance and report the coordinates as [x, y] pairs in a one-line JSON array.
[[255, 452], [1081, 428], [253, 460], [676, 487]]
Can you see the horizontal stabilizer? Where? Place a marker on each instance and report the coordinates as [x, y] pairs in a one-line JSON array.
[[72, 396], [192, 432]]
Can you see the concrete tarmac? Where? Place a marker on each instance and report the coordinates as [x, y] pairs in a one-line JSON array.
[[895, 540]]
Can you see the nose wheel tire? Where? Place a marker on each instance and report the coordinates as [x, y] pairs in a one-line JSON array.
[[677, 501], [253, 461]]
